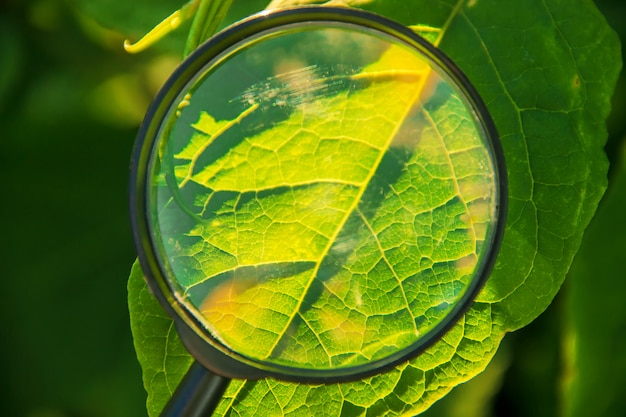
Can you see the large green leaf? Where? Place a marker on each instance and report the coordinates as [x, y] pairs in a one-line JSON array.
[[546, 71]]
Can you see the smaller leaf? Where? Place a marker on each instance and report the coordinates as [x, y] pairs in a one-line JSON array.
[[163, 358], [596, 338]]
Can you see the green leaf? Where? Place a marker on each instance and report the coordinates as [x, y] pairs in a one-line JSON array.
[[595, 340], [162, 356], [546, 70]]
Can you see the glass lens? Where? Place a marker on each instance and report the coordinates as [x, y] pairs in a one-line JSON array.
[[322, 196]]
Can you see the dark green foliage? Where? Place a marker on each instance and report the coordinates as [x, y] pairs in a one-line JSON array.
[[66, 347]]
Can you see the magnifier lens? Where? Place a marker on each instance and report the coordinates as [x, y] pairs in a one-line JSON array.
[[322, 196]]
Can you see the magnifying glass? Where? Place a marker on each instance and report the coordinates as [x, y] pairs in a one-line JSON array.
[[317, 195]]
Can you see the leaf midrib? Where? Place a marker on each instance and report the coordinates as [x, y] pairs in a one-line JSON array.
[[357, 199], [355, 203]]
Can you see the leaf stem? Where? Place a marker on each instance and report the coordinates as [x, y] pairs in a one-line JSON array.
[[168, 25], [446, 25], [209, 16]]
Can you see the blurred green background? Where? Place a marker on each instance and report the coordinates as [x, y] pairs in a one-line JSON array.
[[70, 104]]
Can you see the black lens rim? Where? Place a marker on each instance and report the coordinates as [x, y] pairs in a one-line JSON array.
[[205, 348]]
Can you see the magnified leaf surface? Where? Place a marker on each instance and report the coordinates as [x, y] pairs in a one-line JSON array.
[[546, 70], [346, 232]]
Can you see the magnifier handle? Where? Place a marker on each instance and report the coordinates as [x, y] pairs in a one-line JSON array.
[[197, 395]]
